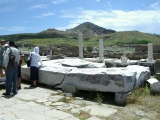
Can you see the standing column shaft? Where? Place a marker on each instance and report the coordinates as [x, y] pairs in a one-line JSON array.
[[80, 43], [50, 52], [150, 52], [101, 56]]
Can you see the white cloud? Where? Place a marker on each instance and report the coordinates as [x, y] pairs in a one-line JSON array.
[[108, 3], [45, 15], [145, 21], [156, 5], [58, 1], [6, 9], [39, 6], [13, 28], [5, 1], [98, 0]]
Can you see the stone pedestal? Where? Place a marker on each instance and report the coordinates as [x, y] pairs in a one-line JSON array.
[[124, 59], [121, 98]]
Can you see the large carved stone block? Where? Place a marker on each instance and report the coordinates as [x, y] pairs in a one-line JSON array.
[[92, 77]]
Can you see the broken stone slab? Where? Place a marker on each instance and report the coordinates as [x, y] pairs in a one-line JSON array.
[[119, 63], [97, 110], [118, 80], [142, 74], [152, 80], [154, 85], [101, 79], [48, 75], [75, 62]]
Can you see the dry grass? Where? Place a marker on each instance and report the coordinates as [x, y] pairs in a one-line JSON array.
[[142, 99]]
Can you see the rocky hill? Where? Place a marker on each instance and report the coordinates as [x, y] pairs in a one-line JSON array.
[[89, 29]]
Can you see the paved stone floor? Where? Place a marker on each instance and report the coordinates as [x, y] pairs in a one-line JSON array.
[[42, 103]]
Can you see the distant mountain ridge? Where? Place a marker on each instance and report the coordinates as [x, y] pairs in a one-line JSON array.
[[89, 29], [91, 33]]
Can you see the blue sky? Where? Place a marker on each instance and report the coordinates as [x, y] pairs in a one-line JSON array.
[[32, 16]]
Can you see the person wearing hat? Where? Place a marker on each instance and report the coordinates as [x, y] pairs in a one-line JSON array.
[[11, 72], [2, 49]]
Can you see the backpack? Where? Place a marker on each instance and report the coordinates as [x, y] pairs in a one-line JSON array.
[[11, 62]]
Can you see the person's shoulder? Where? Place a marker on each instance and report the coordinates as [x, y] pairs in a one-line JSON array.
[[32, 52], [2, 47], [13, 48]]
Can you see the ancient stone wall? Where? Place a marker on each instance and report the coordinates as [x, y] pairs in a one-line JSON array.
[[65, 50], [141, 52], [144, 48]]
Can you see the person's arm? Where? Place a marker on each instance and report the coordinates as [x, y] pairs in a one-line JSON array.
[[20, 61], [40, 60], [6, 58], [17, 56], [29, 57]]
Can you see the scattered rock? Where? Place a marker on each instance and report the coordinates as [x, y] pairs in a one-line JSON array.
[[94, 118], [75, 111], [140, 113]]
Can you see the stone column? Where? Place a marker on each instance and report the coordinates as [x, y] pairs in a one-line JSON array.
[[50, 52], [150, 52], [101, 56], [80, 44]]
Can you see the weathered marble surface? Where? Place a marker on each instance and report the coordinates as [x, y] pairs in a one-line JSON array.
[[86, 75]]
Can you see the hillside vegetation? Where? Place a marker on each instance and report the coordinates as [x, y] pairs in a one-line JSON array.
[[91, 34]]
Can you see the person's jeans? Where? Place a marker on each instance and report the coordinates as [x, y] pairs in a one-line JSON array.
[[11, 78]]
